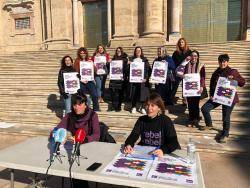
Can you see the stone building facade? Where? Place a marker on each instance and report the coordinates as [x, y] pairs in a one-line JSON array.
[[65, 24]]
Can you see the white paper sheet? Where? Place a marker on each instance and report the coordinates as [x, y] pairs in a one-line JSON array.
[[71, 82], [136, 71], [86, 71], [225, 91], [172, 170], [191, 85], [159, 72], [100, 63], [116, 70]]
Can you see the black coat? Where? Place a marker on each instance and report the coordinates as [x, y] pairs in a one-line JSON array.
[[144, 87]]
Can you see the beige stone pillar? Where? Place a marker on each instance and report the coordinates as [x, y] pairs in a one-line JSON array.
[[75, 24], [175, 21], [153, 16], [125, 22], [248, 22], [109, 19]]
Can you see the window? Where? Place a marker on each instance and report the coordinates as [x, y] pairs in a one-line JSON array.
[[22, 23]]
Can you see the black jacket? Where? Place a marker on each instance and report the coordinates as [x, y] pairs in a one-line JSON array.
[[179, 57], [158, 131]]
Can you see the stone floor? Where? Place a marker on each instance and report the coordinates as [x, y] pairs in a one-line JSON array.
[[219, 170]]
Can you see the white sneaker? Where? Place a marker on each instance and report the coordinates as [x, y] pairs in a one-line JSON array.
[[143, 111], [133, 110]]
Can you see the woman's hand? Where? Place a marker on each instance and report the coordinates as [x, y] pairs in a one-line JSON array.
[[230, 77], [188, 58], [128, 149], [200, 91], [158, 153]]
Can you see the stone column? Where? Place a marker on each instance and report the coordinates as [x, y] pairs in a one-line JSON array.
[[175, 21], [153, 16], [75, 24], [125, 23], [248, 22], [109, 19]]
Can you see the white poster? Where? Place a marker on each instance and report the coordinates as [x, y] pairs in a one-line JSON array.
[[136, 71], [225, 91], [100, 63], [191, 85], [169, 169], [71, 82], [116, 70], [159, 72], [128, 167], [87, 71]]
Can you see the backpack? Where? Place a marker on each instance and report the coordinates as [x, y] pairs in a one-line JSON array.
[[104, 133]]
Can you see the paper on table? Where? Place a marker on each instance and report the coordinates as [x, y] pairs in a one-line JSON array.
[[142, 152], [5, 125]]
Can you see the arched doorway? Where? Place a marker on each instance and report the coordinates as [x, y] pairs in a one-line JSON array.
[[211, 20], [95, 23]]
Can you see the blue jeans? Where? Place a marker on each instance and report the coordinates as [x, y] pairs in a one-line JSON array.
[[98, 81], [67, 104], [226, 113], [91, 89]]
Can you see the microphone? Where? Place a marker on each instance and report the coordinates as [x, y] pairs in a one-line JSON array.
[[59, 137], [79, 139]]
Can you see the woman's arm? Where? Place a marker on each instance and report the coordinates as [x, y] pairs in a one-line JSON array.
[[60, 82], [170, 141], [134, 135], [95, 136]]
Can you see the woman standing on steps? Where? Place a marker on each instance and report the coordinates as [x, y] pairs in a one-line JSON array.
[[140, 91], [100, 79], [181, 53], [87, 86], [117, 86], [66, 67]]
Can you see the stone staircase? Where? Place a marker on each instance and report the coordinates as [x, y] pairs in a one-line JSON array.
[[29, 97]]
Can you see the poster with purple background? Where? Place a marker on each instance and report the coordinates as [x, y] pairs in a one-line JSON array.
[[87, 71], [225, 91], [100, 63]]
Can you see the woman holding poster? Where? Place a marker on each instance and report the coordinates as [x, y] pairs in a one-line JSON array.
[[233, 75], [139, 88], [164, 89], [100, 59], [66, 67], [117, 72], [87, 86], [194, 67]]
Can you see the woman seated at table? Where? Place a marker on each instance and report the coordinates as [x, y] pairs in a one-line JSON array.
[[155, 129]]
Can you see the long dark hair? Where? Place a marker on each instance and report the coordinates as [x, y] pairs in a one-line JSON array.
[[142, 54], [156, 99], [63, 65], [85, 51], [123, 54], [97, 48], [198, 54]]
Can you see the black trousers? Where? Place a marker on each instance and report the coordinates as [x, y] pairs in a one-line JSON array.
[[116, 98], [193, 108]]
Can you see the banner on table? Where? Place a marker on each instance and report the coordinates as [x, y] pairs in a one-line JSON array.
[[71, 82], [225, 91], [116, 70], [159, 72], [136, 74], [191, 85], [87, 71], [100, 64]]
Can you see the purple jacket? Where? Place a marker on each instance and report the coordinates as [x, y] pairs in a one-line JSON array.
[[83, 123]]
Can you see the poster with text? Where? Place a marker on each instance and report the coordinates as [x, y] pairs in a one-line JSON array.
[[100, 64], [128, 167], [71, 82], [87, 71], [225, 91], [116, 70], [136, 74], [159, 72], [169, 169], [191, 85]]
